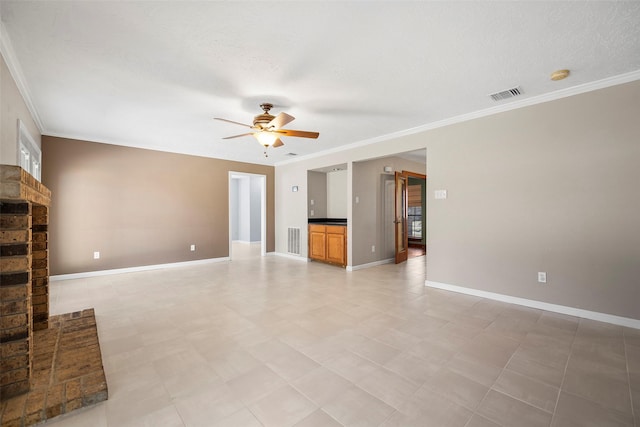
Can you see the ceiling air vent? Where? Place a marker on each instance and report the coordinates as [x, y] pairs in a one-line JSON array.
[[291, 154], [505, 94]]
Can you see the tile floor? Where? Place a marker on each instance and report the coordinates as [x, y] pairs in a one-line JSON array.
[[277, 342]]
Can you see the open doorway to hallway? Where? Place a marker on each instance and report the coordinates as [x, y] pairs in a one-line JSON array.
[[247, 215]]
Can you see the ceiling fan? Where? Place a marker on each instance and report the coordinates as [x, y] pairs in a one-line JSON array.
[[267, 129]]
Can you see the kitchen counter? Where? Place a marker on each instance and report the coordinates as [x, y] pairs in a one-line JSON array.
[[328, 221]]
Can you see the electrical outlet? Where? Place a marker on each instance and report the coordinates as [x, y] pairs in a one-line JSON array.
[[311, 212], [542, 277], [373, 248], [193, 248], [96, 255]]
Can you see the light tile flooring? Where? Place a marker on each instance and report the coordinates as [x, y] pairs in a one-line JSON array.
[[277, 342]]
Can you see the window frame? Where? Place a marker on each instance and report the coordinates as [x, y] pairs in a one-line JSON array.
[[29, 155]]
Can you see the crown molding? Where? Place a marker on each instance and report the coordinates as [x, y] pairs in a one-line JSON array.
[[6, 49], [563, 93]]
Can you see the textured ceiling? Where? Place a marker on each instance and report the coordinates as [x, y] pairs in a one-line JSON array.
[[154, 74]]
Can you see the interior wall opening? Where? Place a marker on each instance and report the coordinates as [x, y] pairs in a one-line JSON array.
[[247, 215]]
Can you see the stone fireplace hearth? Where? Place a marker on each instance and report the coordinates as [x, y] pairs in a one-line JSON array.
[[48, 365]]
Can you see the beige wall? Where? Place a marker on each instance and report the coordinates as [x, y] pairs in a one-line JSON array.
[[337, 194], [12, 108], [138, 207], [550, 187], [317, 183]]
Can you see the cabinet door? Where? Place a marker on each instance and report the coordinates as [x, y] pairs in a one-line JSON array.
[[336, 248], [317, 243]]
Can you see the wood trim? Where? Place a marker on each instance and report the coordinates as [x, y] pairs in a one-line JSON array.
[[414, 175]]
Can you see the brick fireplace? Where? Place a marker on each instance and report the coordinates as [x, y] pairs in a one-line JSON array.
[[48, 365], [24, 274]]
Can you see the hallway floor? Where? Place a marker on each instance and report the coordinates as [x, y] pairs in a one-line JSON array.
[[276, 342], [416, 251]]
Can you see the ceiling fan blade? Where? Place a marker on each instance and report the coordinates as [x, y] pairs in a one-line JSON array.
[[280, 120], [298, 133], [238, 136], [231, 121], [278, 143]]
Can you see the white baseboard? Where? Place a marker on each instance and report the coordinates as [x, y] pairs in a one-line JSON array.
[[134, 269], [290, 256], [571, 311], [370, 264]]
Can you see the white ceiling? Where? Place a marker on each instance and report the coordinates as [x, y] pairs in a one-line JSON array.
[[154, 74]]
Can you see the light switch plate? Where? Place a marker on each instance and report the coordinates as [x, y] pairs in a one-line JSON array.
[[440, 194]]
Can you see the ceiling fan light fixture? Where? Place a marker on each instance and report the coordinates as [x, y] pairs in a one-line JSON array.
[[266, 138]]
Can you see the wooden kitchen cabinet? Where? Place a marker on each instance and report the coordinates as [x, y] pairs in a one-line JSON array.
[[328, 243], [317, 242], [337, 244]]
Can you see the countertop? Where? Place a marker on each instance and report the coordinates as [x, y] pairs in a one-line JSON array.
[[328, 221]]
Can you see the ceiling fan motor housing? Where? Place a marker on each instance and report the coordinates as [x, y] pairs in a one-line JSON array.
[[262, 120]]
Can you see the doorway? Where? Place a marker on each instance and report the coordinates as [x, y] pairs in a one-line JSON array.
[[416, 221], [410, 210], [247, 214]]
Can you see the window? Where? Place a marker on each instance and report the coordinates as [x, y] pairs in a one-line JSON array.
[[415, 189], [415, 222], [29, 155]]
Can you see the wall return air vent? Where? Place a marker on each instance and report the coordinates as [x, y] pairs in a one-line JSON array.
[[293, 240], [505, 94]]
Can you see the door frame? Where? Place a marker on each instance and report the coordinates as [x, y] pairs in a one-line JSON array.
[[400, 226], [263, 210], [402, 256], [423, 196]]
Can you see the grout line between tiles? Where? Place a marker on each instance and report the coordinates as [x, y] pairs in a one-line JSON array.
[[626, 359], [491, 387], [504, 368], [564, 374], [519, 399]]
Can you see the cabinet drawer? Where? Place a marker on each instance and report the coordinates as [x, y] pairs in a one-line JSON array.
[[316, 228], [336, 229]]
